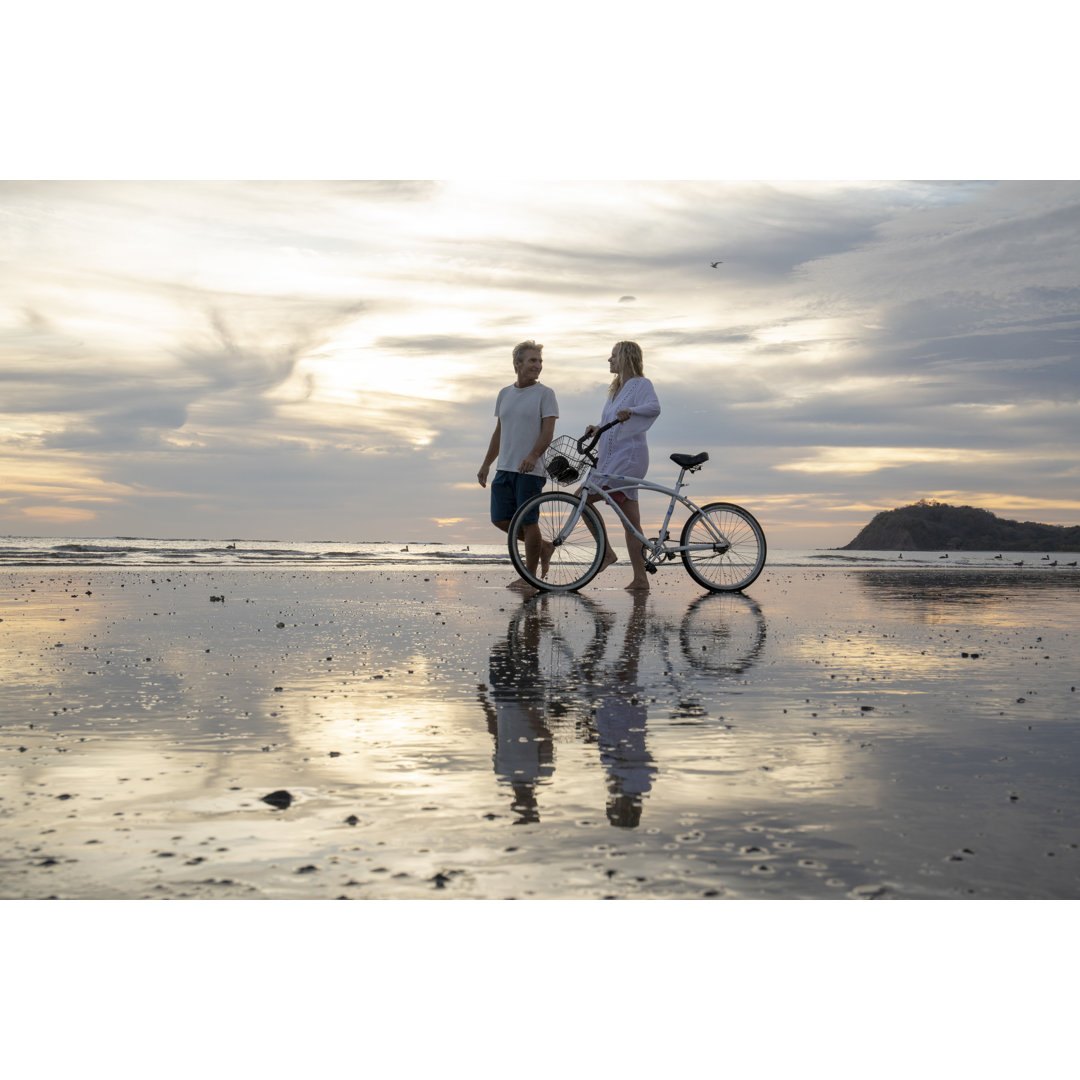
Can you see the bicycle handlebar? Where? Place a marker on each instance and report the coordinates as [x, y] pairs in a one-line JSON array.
[[583, 449]]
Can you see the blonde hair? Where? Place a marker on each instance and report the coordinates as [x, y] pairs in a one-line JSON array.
[[525, 346], [629, 364]]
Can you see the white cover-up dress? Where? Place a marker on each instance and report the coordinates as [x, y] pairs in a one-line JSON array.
[[623, 450]]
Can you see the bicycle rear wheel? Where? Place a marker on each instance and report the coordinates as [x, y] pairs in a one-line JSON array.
[[735, 554], [574, 561]]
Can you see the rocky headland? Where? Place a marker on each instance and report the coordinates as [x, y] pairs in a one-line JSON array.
[[934, 526]]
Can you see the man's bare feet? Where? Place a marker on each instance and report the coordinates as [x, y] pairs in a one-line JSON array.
[[638, 586], [609, 558], [521, 585]]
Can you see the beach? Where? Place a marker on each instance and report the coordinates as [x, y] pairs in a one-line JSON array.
[[427, 734]]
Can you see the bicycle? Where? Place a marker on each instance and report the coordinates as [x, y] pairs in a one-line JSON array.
[[722, 546]]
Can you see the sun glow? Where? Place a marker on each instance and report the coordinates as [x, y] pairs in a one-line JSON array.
[[57, 515], [855, 460]]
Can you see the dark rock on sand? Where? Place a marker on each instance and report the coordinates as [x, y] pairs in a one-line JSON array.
[[280, 800]]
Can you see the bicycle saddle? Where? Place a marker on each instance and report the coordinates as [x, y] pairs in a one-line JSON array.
[[690, 461]]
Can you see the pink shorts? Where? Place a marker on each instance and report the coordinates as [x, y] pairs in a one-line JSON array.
[[619, 496]]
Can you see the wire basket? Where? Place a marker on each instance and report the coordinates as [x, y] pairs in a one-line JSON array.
[[565, 464]]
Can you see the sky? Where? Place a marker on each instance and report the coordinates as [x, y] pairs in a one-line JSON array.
[[284, 359]]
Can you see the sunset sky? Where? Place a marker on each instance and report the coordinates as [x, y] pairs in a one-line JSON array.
[[287, 358], [319, 360]]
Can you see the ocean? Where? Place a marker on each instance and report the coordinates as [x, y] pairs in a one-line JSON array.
[[139, 552]]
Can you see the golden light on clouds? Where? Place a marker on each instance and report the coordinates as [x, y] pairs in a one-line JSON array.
[[58, 515], [1002, 501], [57, 476], [869, 459]]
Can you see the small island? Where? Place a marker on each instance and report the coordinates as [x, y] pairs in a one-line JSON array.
[[935, 526]]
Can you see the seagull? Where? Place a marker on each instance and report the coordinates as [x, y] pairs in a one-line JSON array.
[[997, 556], [1020, 563], [716, 264], [1070, 564]]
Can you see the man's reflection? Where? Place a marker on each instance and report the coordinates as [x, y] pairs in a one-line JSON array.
[[524, 749]]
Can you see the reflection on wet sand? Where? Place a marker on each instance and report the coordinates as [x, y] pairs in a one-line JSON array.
[[562, 667], [722, 634], [889, 735], [516, 716], [968, 587], [621, 716]]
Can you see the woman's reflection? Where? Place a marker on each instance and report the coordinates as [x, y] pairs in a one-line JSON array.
[[621, 717]]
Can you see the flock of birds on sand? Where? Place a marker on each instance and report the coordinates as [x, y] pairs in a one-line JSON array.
[[1045, 558]]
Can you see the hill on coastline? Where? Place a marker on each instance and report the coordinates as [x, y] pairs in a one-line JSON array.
[[934, 526]]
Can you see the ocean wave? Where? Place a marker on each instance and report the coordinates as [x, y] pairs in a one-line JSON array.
[[90, 549], [135, 552]]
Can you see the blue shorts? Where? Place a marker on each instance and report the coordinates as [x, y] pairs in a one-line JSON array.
[[509, 490]]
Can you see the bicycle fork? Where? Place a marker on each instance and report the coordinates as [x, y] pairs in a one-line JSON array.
[[571, 523]]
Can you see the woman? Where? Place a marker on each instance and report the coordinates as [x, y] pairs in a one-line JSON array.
[[622, 450]]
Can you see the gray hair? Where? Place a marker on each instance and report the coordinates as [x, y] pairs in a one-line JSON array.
[[524, 347]]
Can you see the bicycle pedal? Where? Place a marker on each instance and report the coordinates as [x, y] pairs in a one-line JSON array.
[[649, 568]]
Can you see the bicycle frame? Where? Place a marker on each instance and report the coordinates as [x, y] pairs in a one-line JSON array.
[[655, 549]]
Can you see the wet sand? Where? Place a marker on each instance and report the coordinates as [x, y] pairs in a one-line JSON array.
[[871, 734]]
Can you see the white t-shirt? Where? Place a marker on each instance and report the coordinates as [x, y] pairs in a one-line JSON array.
[[521, 411]]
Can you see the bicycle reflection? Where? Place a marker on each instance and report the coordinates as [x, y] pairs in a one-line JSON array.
[[565, 669]]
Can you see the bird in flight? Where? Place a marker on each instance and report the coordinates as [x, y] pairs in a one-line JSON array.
[[716, 264]]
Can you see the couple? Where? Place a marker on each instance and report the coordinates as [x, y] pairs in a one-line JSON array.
[[525, 425]]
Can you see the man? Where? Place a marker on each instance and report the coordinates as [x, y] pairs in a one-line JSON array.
[[525, 423]]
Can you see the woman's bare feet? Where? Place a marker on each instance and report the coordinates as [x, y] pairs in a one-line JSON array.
[[609, 558], [547, 549], [638, 586]]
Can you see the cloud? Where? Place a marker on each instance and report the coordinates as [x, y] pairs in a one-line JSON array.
[[58, 515]]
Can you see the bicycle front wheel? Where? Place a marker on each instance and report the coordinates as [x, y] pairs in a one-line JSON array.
[[732, 547], [564, 564]]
